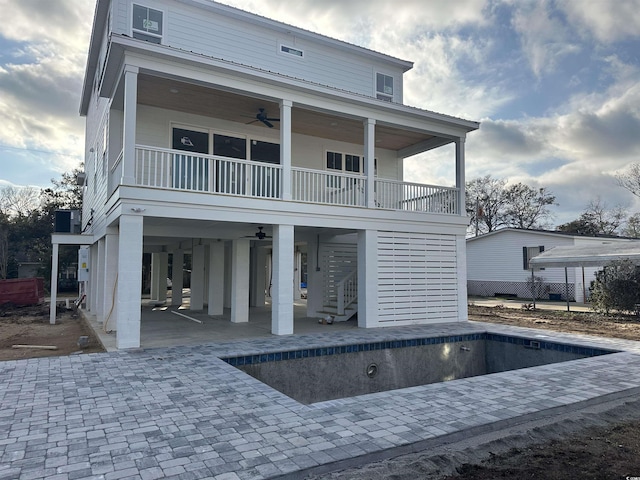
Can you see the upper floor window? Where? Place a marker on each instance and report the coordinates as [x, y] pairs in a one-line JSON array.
[[147, 24], [384, 87], [296, 52]]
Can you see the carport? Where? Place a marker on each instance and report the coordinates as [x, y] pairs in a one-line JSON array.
[[586, 256]]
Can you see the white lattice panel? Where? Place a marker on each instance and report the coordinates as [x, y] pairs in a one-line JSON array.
[[337, 261], [417, 277]]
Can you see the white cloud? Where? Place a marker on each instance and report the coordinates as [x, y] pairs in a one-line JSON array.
[[609, 21], [545, 39]]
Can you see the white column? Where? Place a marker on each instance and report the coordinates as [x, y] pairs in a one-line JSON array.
[[177, 277], [285, 147], [461, 267], [129, 126], [99, 285], [129, 281], [460, 176], [240, 280], [110, 279], [155, 276], [370, 160], [54, 284], [282, 289], [258, 263], [227, 275], [314, 278], [367, 278], [162, 280], [197, 278], [216, 279], [297, 275], [92, 293]]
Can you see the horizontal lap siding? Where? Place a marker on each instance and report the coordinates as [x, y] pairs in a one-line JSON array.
[[229, 39], [417, 278]]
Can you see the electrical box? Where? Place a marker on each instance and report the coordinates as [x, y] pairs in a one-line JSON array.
[[83, 264]]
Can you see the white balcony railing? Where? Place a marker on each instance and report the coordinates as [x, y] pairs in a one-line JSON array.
[[115, 174], [317, 186], [416, 197], [178, 170], [173, 169]]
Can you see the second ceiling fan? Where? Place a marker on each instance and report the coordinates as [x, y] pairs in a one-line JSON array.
[[262, 116]]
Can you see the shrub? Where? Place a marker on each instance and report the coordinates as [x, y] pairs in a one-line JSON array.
[[616, 287]]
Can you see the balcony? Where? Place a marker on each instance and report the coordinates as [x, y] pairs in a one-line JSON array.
[[179, 171]]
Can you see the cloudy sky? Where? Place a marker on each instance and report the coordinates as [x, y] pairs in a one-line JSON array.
[[554, 83]]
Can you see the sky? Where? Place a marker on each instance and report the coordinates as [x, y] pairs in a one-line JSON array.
[[555, 84]]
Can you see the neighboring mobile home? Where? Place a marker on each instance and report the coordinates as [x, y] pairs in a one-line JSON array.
[[498, 264], [207, 126]]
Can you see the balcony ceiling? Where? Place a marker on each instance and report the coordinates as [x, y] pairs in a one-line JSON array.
[[199, 100]]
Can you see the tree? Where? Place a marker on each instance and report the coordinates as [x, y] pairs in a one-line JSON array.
[[484, 203], [616, 287], [597, 219], [19, 201], [630, 179], [632, 227], [527, 207]]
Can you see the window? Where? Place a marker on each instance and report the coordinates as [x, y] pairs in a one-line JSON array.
[[190, 172], [384, 87], [147, 24], [528, 253], [265, 152], [343, 162], [292, 51]]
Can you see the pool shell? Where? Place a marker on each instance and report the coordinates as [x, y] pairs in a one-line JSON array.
[[319, 374]]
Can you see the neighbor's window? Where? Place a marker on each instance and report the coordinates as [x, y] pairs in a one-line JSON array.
[[147, 24], [384, 87], [528, 253]]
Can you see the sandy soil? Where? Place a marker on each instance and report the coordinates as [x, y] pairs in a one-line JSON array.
[[30, 326], [596, 444]]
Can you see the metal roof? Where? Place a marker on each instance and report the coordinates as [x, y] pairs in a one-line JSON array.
[[587, 255]]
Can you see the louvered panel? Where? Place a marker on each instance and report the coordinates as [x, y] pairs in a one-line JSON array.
[[417, 278], [337, 261]]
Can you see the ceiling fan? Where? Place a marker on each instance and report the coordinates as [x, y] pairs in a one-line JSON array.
[[262, 116], [260, 235]]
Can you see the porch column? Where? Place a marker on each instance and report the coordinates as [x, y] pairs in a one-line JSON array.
[[129, 124], [110, 280], [197, 278], [54, 283], [370, 160], [461, 268], [92, 294], [159, 269], [282, 289], [177, 277], [129, 281], [258, 275], [98, 288], [367, 278], [240, 280], [216, 279], [285, 147], [297, 274], [314, 277], [460, 176]]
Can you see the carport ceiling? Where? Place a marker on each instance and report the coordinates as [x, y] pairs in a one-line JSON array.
[[199, 100]]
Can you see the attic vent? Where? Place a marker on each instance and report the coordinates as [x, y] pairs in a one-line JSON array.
[[292, 51]]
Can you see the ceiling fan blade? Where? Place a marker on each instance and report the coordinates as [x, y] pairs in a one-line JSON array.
[[267, 122], [252, 121]]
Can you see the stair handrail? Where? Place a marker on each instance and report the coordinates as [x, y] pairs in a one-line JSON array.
[[347, 291]]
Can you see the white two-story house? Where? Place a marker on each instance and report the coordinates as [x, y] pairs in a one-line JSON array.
[[207, 126]]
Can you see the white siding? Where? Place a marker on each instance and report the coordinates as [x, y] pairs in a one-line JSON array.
[[498, 257], [417, 277], [201, 31]]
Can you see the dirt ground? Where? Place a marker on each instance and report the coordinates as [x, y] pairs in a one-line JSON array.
[[30, 326], [584, 446]]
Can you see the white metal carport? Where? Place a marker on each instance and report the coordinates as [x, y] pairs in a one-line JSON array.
[[586, 256]]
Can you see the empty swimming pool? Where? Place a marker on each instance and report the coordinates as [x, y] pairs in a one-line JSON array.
[[319, 374]]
